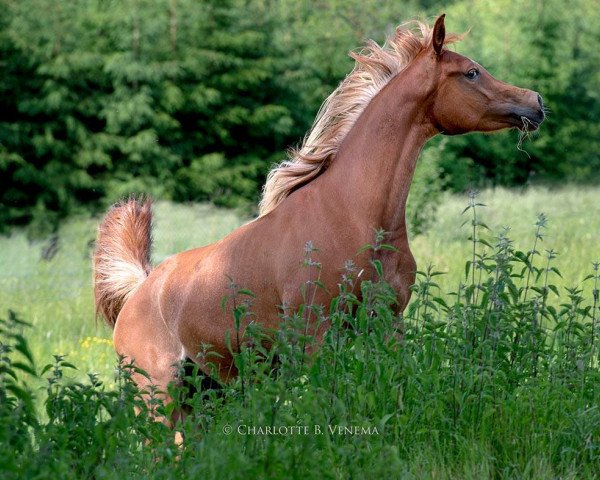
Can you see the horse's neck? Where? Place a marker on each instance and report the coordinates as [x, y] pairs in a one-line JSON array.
[[370, 177]]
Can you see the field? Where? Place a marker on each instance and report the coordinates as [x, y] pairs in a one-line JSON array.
[[54, 295]]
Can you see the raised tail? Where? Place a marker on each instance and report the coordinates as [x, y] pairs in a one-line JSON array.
[[122, 255]]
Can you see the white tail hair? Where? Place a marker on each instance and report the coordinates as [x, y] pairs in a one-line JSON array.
[[122, 256]]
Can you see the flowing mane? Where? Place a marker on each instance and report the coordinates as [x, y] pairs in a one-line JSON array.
[[375, 66]]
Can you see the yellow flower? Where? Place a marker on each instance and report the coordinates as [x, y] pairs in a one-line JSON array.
[[87, 342]]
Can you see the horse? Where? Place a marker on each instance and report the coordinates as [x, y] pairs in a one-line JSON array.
[[350, 175]]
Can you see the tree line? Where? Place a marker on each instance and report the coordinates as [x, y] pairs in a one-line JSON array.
[[195, 100]]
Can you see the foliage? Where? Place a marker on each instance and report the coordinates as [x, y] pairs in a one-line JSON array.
[[183, 100], [196, 100], [496, 380]]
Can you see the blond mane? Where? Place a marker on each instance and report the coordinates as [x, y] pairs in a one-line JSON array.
[[375, 66]]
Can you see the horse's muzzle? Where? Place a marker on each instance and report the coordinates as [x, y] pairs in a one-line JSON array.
[[529, 117]]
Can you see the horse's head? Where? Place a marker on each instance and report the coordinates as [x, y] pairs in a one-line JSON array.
[[467, 98]]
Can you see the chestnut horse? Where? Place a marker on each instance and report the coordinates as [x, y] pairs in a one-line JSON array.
[[350, 176]]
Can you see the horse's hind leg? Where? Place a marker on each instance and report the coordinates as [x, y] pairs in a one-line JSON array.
[[142, 339]]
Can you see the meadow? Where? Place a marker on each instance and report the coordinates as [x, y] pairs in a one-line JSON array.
[[56, 296], [501, 408]]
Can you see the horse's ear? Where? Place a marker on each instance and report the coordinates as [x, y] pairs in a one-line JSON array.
[[439, 34]]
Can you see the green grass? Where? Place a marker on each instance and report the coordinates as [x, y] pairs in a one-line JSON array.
[[500, 382], [56, 295], [573, 229]]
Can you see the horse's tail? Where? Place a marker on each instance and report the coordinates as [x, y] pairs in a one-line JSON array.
[[122, 256]]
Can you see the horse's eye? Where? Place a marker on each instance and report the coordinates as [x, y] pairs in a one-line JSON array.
[[472, 74]]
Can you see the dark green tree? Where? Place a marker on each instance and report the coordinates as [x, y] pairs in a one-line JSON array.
[[193, 100]]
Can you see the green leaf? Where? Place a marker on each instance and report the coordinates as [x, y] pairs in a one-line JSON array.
[[244, 291], [378, 267]]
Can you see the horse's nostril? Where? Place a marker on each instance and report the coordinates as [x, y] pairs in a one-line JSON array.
[[540, 102]]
